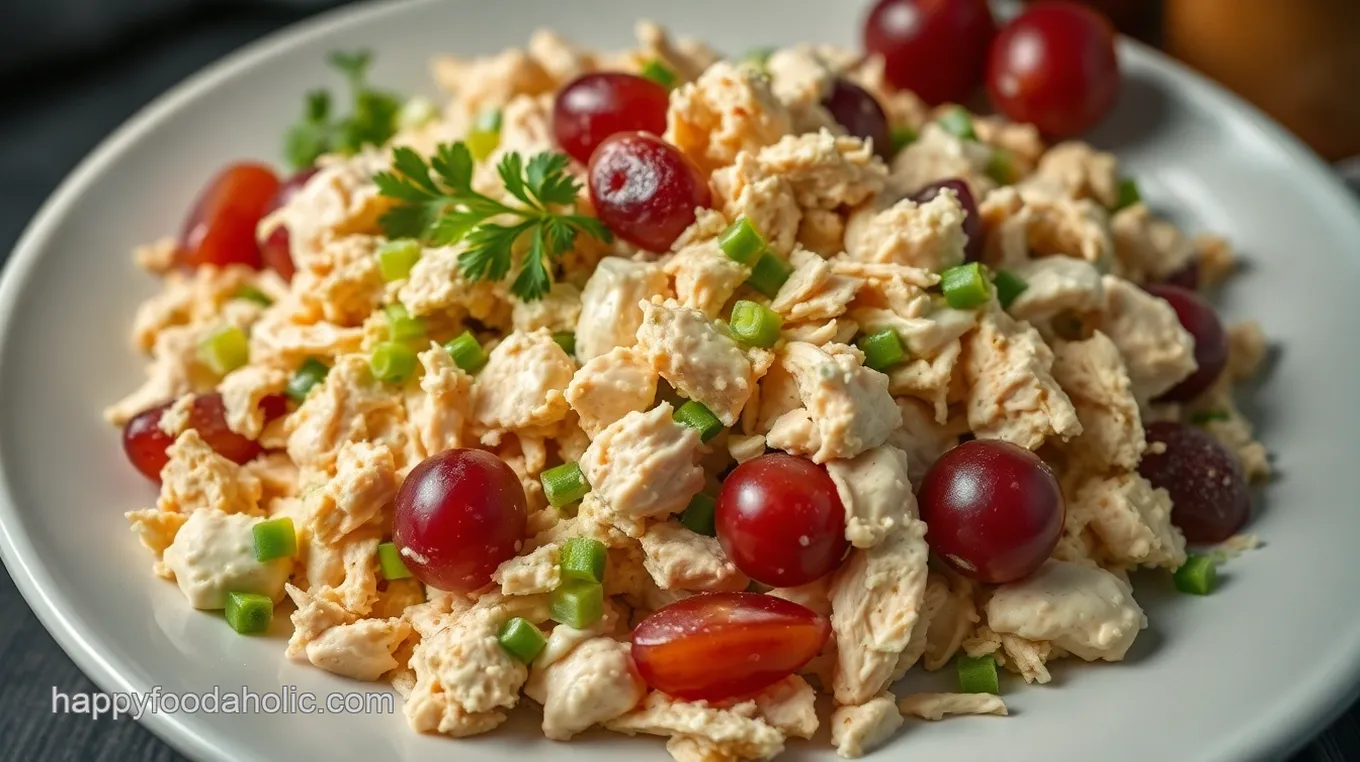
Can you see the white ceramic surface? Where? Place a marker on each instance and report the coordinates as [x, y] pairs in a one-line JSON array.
[[1246, 673]]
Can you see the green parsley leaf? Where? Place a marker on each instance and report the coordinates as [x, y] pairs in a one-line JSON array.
[[372, 119], [436, 204]]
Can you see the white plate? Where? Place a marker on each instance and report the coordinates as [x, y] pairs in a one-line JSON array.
[[1246, 673]]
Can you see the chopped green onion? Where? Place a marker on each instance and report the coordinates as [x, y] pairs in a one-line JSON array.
[[390, 563], [583, 559], [1203, 417], [577, 603], [521, 639], [275, 538], [396, 258], [659, 73], [977, 674], [489, 120], [401, 326], [485, 136], [758, 57], [1128, 193], [694, 415], [965, 286], [902, 137], [466, 352], [698, 516], [1000, 167], [225, 349], [958, 123], [1197, 576], [741, 242], [567, 341], [309, 374], [564, 484], [252, 294], [769, 274], [1008, 286], [755, 324], [392, 362], [249, 613], [416, 112], [882, 349]]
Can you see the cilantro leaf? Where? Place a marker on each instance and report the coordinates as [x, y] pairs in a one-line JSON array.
[[372, 119], [533, 280], [549, 181], [435, 202]]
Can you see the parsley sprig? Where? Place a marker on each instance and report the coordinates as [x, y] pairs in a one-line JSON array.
[[436, 204], [372, 118]]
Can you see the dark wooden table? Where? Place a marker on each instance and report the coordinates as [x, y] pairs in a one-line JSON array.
[[48, 121]]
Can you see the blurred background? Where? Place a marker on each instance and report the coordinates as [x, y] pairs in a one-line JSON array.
[[71, 71]]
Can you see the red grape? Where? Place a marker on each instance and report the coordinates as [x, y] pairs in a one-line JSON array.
[[972, 221], [1187, 277], [276, 250], [459, 515], [781, 521], [855, 109], [1055, 66], [1211, 341], [220, 229], [993, 510], [595, 106], [145, 443], [1209, 495], [716, 646], [935, 48], [645, 190]]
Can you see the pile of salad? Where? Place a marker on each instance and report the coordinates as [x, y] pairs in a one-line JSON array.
[[669, 390]]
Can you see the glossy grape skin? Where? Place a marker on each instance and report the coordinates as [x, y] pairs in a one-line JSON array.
[[1209, 493], [855, 109], [780, 520], [459, 515], [1055, 66], [220, 229], [594, 106], [645, 190], [716, 646], [145, 443], [1211, 341], [275, 250], [935, 48], [972, 221], [993, 510]]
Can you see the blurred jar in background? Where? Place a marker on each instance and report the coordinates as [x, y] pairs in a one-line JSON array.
[[1299, 60]]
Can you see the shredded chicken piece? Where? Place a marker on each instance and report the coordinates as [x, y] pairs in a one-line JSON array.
[[937, 706]]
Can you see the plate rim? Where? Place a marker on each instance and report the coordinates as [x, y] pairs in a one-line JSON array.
[[1322, 703]]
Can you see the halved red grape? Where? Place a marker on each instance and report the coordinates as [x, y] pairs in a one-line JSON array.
[[594, 106], [1209, 495], [645, 190], [993, 510], [972, 221], [935, 48], [459, 515], [781, 521], [716, 646], [220, 230], [276, 250], [1211, 341], [855, 109], [1055, 66], [145, 443]]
